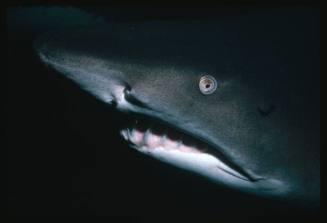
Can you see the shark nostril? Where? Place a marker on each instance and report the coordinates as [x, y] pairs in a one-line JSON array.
[[133, 100], [127, 88]]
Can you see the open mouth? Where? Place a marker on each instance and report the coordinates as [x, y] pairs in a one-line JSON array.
[[149, 136]]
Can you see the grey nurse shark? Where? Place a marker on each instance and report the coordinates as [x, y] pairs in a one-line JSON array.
[[237, 98]]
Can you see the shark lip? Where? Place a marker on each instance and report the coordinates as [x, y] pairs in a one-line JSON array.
[[147, 134]]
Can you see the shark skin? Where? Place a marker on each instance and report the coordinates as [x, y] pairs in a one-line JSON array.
[[258, 132]]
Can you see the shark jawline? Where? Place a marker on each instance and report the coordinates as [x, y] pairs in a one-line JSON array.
[[145, 124]]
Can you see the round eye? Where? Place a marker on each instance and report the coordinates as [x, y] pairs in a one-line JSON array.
[[207, 84]]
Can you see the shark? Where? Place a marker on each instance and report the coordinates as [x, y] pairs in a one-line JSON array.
[[234, 99]]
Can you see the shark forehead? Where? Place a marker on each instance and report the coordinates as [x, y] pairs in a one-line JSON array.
[[254, 121]]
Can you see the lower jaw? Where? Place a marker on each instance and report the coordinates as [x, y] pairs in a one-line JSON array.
[[154, 138], [205, 165], [174, 151], [199, 163], [181, 151]]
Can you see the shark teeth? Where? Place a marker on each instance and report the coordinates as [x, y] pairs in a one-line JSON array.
[[155, 139], [148, 140]]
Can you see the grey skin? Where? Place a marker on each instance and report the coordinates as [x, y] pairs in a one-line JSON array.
[[264, 116]]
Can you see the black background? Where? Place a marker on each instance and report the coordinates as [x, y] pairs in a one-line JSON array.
[[65, 156]]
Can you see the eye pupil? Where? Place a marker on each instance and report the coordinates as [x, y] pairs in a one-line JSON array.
[[207, 84]]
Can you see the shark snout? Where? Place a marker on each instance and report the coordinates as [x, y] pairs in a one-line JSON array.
[[100, 76], [41, 48]]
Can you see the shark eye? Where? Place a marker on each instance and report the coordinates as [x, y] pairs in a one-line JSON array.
[[207, 84]]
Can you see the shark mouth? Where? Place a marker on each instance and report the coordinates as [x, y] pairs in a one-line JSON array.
[[174, 146]]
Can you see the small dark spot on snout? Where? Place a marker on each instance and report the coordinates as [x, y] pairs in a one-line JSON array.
[[265, 111]]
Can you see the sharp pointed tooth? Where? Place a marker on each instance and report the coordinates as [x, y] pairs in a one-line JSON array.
[[124, 133], [137, 136], [163, 139], [179, 143], [130, 133], [146, 136]]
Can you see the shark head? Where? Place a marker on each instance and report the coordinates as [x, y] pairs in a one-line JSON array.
[[216, 98]]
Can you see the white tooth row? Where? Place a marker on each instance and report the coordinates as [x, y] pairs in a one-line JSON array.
[[152, 141]]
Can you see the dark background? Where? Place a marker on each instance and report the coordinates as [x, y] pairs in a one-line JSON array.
[[65, 156]]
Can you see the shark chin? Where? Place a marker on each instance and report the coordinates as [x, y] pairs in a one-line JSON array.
[[171, 146]]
